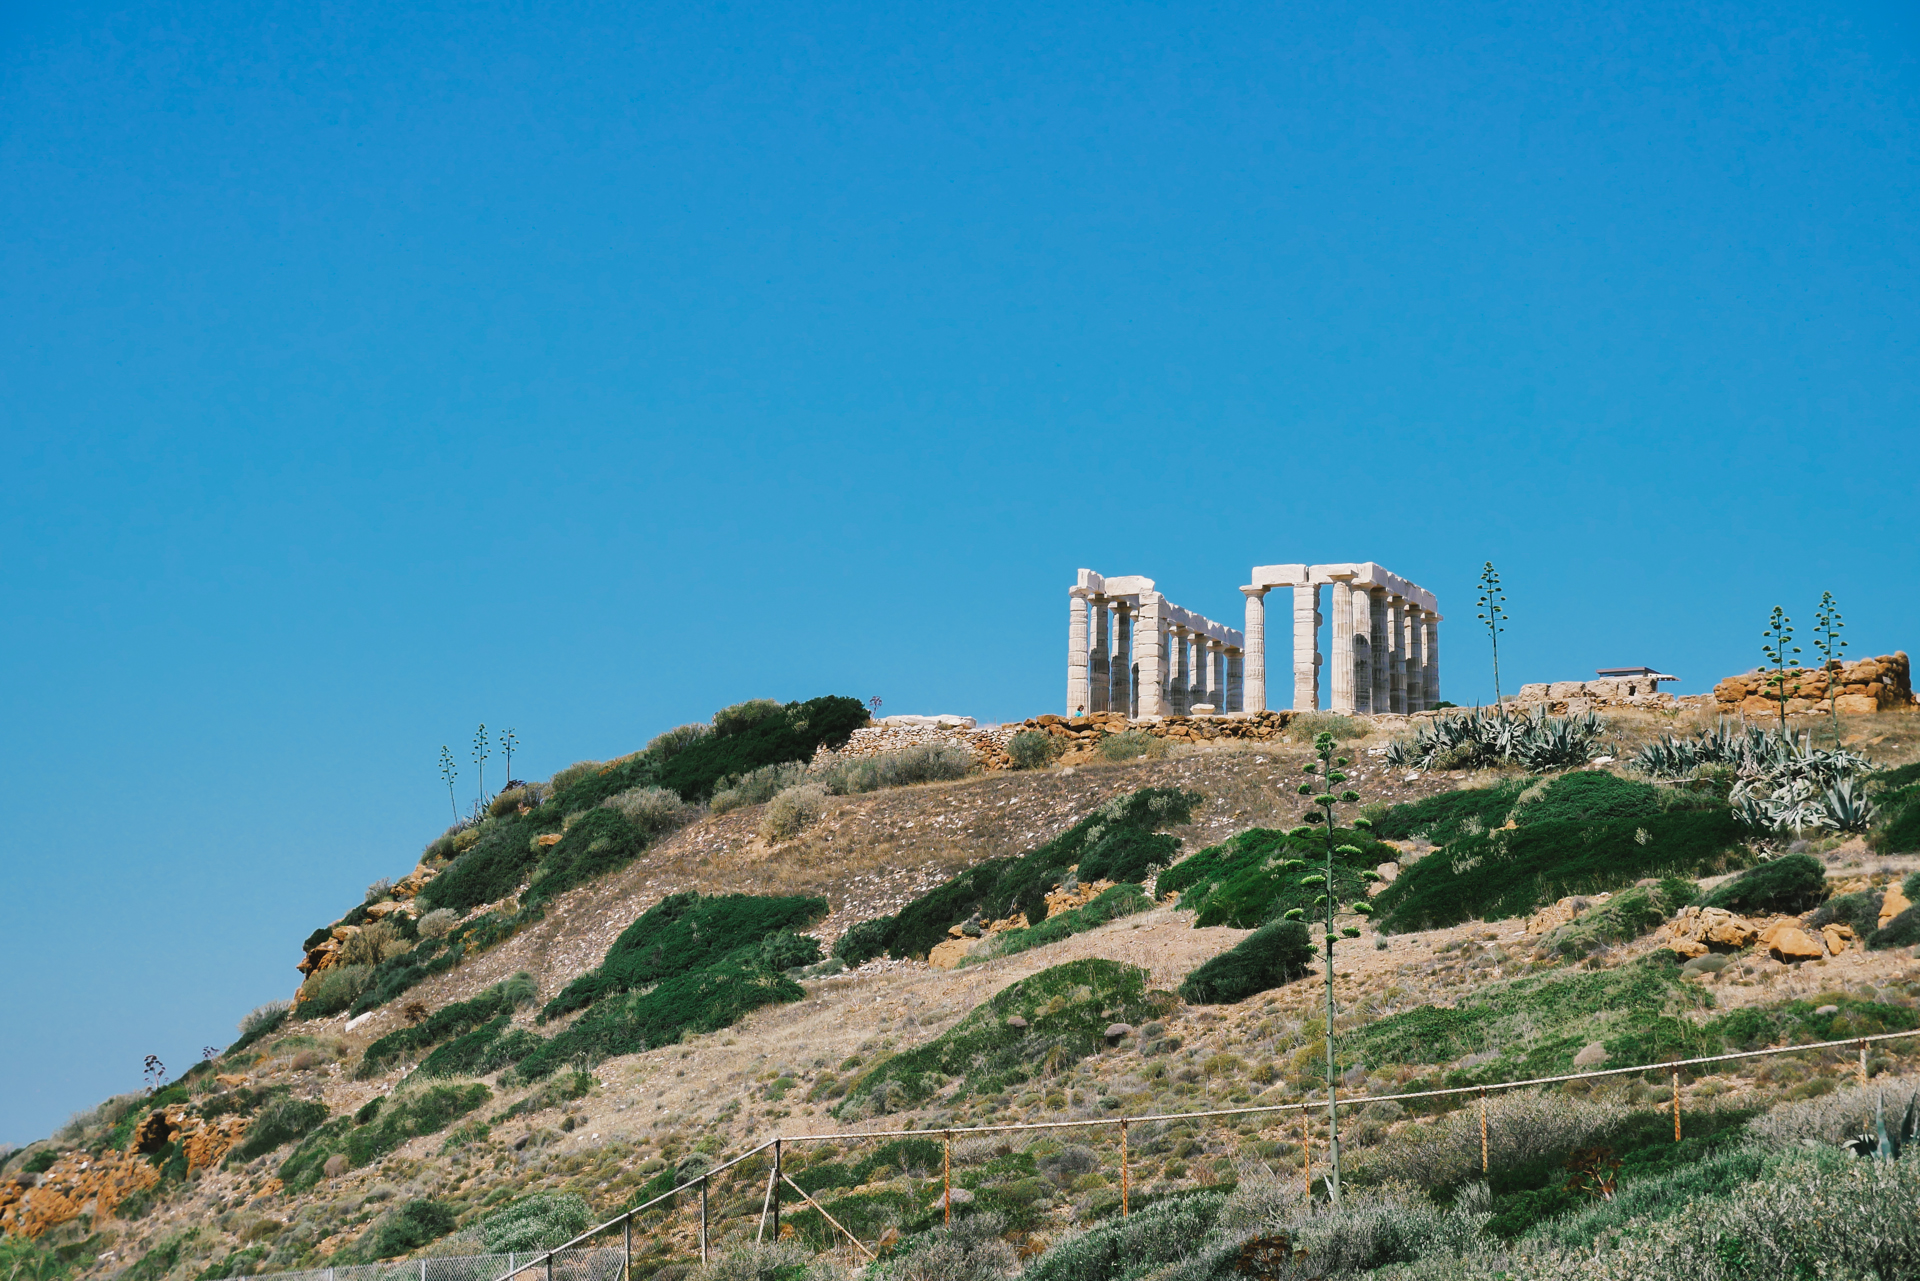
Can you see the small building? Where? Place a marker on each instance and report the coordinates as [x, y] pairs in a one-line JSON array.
[[1633, 674]]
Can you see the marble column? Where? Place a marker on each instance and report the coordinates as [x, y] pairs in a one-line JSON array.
[[1120, 699], [1077, 651], [1432, 657], [1100, 683], [1182, 675], [1342, 693], [1255, 659], [1416, 661], [1236, 681], [1217, 673], [1379, 646], [1199, 693], [1397, 654], [1306, 647], [1150, 658]]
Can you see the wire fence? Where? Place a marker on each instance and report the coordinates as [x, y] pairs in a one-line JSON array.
[[849, 1194], [607, 1263]]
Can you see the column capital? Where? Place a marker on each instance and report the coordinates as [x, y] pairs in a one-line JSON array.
[[1255, 593], [1082, 593]]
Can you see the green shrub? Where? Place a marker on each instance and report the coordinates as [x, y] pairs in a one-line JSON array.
[[653, 810], [332, 990], [863, 941], [1034, 749], [280, 1122], [1110, 904], [682, 933], [1901, 931], [785, 950], [405, 1115], [1792, 884], [493, 867], [1861, 911], [933, 763], [1255, 876], [792, 811], [756, 787], [1269, 957], [1442, 817], [573, 775], [404, 1230], [748, 736], [1626, 916], [261, 1020], [438, 923], [449, 1021], [600, 841], [1163, 1233], [1131, 744], [1308, 726], [487, 1048], [1510, 873], [537, 1222], [1067, 1010]]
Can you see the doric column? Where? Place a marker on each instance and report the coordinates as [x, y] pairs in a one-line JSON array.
[[1099, 680], [1182, 676], [1379, 645], [1254, 695], [1343, 655], [1077, 651], [1416, 661], [1150, 657], [1236, 681], [1432, 657], [1397, 654], [1197, 692], [1306, 647], [1121, 699], [1217, 673]]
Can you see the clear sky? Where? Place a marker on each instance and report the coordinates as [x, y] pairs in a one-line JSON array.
[[368, 371]]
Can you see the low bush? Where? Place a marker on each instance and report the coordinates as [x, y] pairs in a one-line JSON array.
[[1132, 744], [863, 941], [494, 866], [756, 787], [1793, 883], [572, 775], [969, 1250], [750, 735], [1109, 905], [438, 923], [1034, 749], [1469, 811], [680, 934], [1163, 1233], [372, 944], [371, 1133], [1902, 931], [487, 1048], [1509, 873], [1255, 876], [332, 990], [1269, 957], [279, 1123], [1309, 726], [933, 763], [403, 1230], [792, 811], [1066, 1009], [1860, 910], [1626, 916], [601, 840], [653, 810], [261, 1020], [449, 1021], [536, 1222]]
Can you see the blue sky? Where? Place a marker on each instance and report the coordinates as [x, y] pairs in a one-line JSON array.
[[370, 371]]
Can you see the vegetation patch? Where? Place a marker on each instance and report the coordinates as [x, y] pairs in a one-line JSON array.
[[756, 734], [1792, 884], [1267, 958], [1256, 876], [449, 1021], [1120, 841], [1624, 917], [379, 1128], [279, 1123], [485, 1049], [1110, 904], [1510, 872], [1046, 1022]]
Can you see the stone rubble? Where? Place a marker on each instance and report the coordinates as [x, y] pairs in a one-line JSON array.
[[1882, 684]]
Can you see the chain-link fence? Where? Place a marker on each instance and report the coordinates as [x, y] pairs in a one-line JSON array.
[[852, 1193]]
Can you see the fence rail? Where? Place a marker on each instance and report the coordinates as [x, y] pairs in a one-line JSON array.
[[606, 1263], [541, 1266]]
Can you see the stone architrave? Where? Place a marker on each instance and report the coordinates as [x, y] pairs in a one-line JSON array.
[[1254, 694], [1077, 651], [1102, 683]]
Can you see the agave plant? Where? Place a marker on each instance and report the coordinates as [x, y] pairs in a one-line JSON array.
[[1471, 739], [1884, 1144], [1783, 784]]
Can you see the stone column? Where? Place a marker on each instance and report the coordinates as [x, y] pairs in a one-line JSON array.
[[1236, 681], [1416, 661], [1150, 657], [1100, 682], [1397, 654], [1432, 657], [1254, 694], [1217, 673], [1306, 647], [1379, 646], [1182, 677], [1342, 700], [1197, 690], [1121, 699], [1077, 651]]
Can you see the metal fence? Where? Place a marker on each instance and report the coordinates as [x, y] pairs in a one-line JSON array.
[[845, 1193]]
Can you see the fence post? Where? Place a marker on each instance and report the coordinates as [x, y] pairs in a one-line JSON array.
[[1676, 1105], [703, 1218], [777, 1174], [1123, 1167], [549, 1265], [1483, 1134], [626, 1232], [946, 1176], [1863, 1063], [1306, 1154]]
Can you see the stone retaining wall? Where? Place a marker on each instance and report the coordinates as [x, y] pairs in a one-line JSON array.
[[1585, 696], [1882, 684], [989, 746]]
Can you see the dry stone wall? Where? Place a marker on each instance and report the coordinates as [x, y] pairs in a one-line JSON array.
[[1585, 696], [989, 746], [1883, 684]]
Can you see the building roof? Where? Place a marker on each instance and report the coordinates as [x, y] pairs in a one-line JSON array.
[[1635, 671]]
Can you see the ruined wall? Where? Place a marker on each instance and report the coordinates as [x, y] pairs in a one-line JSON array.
[[1882, 684]]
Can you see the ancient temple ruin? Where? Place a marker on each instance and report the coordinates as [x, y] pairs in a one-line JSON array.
[[1131, 649]]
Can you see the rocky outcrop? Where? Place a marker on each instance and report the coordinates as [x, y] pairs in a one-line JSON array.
[[78, 1183], [1882, 684], [1586, 696]]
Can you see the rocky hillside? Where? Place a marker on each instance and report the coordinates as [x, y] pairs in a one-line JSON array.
[[654, 988]]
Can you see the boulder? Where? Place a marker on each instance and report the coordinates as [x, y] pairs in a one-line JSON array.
[[1856, 704], [1836, 937], [945, 956], [1893, 904], [1593, 1056], [1826, 1009], [1118, 1032], [1792, 944], [1016, 1023]]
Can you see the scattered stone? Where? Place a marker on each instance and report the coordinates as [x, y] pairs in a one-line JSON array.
[[1826, 1009], [1118, 1032], [1593, 1056], [1893, 904], [1791, 944], [1016, 1023]]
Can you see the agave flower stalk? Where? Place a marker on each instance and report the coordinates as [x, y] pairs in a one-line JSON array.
[[1492, 613], [1832, 649], [1778, 647]]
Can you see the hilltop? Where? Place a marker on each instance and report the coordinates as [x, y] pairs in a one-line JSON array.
[[642, 967]]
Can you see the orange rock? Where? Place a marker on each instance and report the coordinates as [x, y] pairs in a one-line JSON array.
[[1893, 904], [1836, 937], [550, 838], [1790, 943]]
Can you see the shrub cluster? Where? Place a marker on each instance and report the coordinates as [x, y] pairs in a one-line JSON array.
[[756, 787], [1269, 957], [379, 1128], [1112, 903], [536, 1222], [1792, 884], [1255, 876], [792, 811], [449, 1021], [1627, 915], [750, 735], [1119, 841], [280, 1122]]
